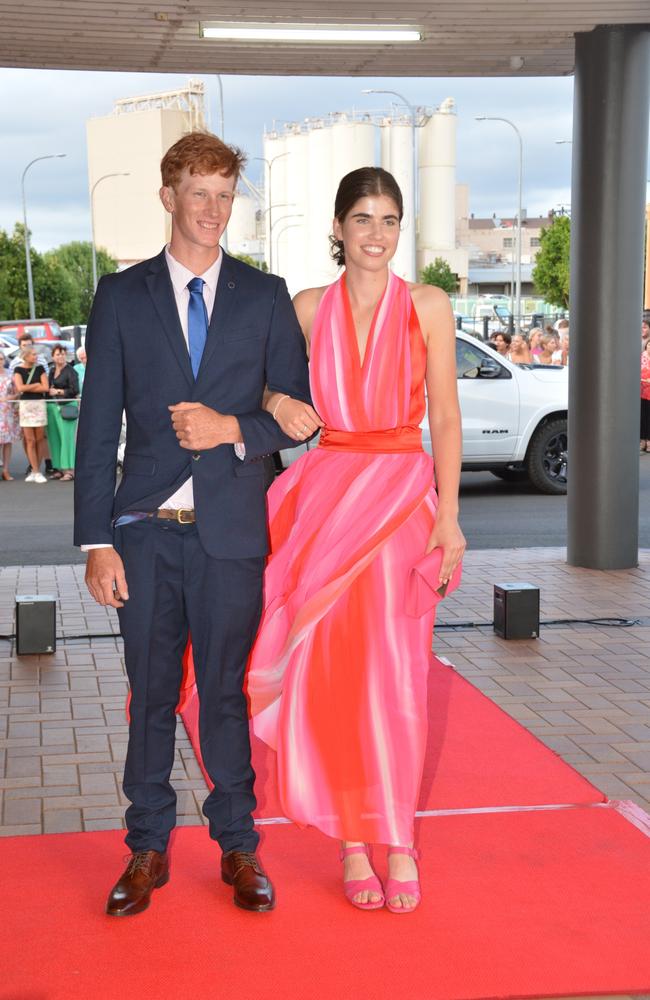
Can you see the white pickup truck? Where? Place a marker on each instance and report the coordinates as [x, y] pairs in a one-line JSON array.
[[514, 418]]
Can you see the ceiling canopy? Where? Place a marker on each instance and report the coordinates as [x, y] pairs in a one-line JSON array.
[[459, 37]]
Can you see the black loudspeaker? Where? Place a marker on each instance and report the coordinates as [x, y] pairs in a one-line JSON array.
[[35, 624], [516, 610]]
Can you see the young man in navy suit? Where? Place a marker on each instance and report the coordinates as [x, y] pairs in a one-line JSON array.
[[186, 343]]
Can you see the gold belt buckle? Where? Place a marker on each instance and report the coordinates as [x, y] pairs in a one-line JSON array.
[[179, 515]]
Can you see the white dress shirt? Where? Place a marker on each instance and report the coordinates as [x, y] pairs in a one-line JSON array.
[[180, 276]]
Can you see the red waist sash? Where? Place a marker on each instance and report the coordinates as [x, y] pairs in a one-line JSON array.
[[395, 439]]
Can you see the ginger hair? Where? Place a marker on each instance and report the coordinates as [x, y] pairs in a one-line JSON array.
[[200, 153]]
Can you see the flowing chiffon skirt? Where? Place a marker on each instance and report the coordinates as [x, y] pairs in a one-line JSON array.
[[337, 677]]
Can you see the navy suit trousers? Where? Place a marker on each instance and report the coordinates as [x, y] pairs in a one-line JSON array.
[[176, 588]]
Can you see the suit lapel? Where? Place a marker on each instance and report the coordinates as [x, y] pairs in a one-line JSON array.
[[223, 305], [162, 293]]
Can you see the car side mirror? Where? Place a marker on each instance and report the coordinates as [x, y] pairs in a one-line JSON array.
[[489, 368]]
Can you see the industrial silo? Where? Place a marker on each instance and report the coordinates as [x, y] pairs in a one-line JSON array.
[[384, 143], [275, 187], [353, 145], [242, 228], [290, 219], [401, 159], [321, 190], [437, 229]]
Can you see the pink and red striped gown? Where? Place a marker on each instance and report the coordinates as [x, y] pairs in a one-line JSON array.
[[338, 674]]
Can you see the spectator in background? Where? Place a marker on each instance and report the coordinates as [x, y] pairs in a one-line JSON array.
[[561, 352], [26, 340], [62, 427], [645, 331], [519, 351], [548, 344], [9, 426], [80, 367], [31, 382], [645, 395], [535, 343], [502, 341], [561, 355]]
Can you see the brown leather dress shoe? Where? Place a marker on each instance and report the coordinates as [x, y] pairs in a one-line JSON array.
[[253, 887], [146, 871]]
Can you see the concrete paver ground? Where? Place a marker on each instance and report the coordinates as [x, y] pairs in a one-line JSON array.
[[583, 689]]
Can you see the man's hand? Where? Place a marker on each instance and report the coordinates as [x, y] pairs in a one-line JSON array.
[[198, 427], [105, 578]]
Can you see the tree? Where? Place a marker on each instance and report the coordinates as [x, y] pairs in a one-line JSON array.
[[440, 274], [63, 286], [76, 259], [247, 259], [551, 271], [14, 302], [55, 291]]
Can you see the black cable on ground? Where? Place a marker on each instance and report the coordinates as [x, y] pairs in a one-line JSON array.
[[603, 622]]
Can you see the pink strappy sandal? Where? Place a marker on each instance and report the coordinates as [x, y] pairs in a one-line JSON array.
[[356, 885], [394, 887]]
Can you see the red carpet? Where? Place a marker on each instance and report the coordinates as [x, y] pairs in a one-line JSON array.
[[477, 756], [515, 905]]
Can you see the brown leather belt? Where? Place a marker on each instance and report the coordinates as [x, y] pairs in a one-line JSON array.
[[184, 515]]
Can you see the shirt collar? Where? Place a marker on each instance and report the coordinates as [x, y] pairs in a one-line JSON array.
[[180, 275]]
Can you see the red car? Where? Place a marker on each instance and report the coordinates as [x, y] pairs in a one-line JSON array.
[[42, 330]]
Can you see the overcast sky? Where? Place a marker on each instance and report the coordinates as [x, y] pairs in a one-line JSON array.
[[45, 111]]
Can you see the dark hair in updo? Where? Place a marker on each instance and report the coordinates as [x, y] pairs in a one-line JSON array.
[[362, 183]]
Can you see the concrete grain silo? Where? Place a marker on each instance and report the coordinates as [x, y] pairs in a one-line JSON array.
[[321, 190], [400, 148], [290, 222], [437, 184]]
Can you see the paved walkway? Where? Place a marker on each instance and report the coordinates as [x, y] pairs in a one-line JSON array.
[[584, 689]]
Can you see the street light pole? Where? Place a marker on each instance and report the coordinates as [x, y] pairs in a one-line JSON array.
[[221, 120], [289, 225], [416, 193], [28, 259], [92, 220], [222, 136], [269, 167], [282, 218], [491, 118]]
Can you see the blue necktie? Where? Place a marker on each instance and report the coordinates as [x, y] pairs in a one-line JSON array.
[[197, 322]]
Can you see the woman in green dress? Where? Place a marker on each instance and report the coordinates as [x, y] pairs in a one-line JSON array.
[[61, 415]]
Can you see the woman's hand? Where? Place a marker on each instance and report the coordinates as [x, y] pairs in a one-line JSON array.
[[297, 419], [447, 535]]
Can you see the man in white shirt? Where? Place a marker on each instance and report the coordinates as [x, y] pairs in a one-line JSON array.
[[185, 343]]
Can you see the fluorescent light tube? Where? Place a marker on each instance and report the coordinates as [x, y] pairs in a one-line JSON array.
[[307, 33]]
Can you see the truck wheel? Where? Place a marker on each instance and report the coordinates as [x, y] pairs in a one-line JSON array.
[[511, 475], [546, 462]]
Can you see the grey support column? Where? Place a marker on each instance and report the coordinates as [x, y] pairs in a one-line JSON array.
[[610, 151]]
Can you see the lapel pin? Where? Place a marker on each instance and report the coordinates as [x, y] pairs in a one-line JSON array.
[[231, 284]]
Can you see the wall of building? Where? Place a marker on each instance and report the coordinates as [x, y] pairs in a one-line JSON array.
[[130, 222]]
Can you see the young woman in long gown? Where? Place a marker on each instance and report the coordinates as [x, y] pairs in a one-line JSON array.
[[338, 674]]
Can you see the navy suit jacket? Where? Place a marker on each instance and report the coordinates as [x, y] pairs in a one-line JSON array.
[[138, 361]]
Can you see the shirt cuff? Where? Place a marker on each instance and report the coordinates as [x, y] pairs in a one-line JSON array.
[[98, 545], [240, 450]]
